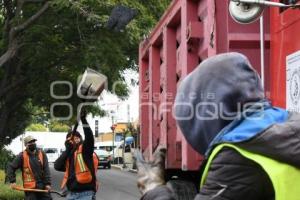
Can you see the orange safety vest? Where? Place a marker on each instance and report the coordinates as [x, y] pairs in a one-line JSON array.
[[28, 176], [82, 172]]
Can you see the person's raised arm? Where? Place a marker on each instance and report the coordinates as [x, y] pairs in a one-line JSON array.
[[88, 143]]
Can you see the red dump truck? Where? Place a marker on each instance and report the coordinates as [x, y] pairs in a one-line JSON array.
[[193, 30]]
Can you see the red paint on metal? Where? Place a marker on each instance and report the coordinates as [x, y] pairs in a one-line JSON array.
[[285, 29], [188, 32]]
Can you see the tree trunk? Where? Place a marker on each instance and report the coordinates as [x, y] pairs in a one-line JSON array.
[[3, 121]]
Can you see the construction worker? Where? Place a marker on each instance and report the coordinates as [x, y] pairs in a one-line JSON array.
[[33, 163], [252, 149], [79, 164]]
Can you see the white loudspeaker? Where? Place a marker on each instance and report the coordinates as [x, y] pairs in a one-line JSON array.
[[245, 13]]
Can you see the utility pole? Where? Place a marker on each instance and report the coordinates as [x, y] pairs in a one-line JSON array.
[[124, 134], [113, 136], [96, 128], [23, 135], [123, 153], [128, 113]]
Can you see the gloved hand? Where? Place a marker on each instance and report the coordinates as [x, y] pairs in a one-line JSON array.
[[68, 144], [48, 187], [150, 174]]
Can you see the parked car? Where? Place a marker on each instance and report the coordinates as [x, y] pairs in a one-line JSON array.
[[52, 153], [104, 158], [117, 153], [107, 146]]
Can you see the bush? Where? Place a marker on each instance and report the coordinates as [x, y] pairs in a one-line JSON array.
[[36, 127], [6, 193], [5, 157], [58, 127]]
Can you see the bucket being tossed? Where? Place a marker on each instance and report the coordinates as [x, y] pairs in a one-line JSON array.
[[91, 84]]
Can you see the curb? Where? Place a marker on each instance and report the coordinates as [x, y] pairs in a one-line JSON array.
[[122, 169], [133, 171], [116, 167]]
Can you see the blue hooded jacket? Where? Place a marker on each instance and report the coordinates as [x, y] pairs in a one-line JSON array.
[[222, 100]]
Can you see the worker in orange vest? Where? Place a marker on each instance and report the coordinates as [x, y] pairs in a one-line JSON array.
[[79, 163], [35, 170]]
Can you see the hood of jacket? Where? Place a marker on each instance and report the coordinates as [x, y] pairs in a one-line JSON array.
[[213, 95]]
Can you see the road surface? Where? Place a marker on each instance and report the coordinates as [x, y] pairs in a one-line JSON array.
[[115, 184]]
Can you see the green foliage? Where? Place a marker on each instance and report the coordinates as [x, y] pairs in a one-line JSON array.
[[56, 126], [128, 134], [67, 38], [6, 156], [131, 130], [36, 127], [95, 111], [39, 115], [6, 193]]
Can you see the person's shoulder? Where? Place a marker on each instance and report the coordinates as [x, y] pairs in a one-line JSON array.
[[21, 153], [230, 156]]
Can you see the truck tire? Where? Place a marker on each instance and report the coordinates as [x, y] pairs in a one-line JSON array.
[[183, 190]]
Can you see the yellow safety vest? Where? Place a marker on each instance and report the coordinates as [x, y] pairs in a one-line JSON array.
[[285, 178]]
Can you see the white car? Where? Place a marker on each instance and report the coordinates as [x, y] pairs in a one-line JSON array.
[[104, 158]]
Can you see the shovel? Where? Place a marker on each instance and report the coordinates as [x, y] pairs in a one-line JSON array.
[[19, 188]]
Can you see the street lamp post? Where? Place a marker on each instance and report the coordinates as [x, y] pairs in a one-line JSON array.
[[22, 141], [113, 126], [123, 153]]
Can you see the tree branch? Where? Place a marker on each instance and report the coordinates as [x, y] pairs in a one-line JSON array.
[[37, 114], [13, 41], [9, 8], [34, 1], [8, 16], [32, 19], [10, 53], [20, 4]]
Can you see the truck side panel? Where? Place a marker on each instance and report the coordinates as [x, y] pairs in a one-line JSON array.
[[189, 32], [285, 29]]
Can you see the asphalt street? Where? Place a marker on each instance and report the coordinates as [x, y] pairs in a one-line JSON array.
[[115, 184]]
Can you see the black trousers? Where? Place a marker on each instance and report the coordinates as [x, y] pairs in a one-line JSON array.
[[37, 196]]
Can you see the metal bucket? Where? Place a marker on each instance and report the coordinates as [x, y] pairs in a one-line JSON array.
[[91, 84]]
